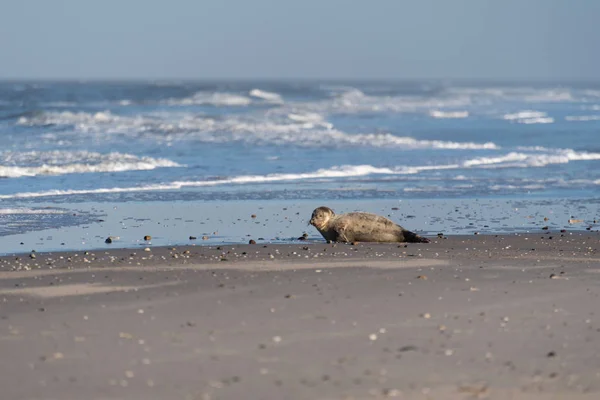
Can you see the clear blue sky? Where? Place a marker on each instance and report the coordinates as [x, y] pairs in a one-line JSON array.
[[182, 39]]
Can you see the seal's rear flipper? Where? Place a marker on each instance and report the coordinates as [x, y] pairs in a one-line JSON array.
[[411, 237]]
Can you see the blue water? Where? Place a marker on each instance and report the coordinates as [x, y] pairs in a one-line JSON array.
[[68, 143]]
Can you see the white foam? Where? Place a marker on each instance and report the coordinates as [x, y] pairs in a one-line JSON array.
[[34, 163], [509, 160], [582, 118], [515, 187], [343, 171], [30, 211], [310, 120], [448, 114], [529, 117], [68, 118], [355, 101], [334, 172], [217, 99], [523, 160], [267, 96], [527, 114], [544, 120], [306, 130]]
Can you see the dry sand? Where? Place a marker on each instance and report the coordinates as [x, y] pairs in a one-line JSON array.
[[498, 317]]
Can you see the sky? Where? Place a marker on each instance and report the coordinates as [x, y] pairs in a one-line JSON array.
[[307, 39]]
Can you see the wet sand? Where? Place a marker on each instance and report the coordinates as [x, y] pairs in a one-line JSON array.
[[482, 316]]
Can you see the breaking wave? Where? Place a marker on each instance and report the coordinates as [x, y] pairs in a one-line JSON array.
[[448, 114], [31, 211], [529, 117], [509, 160], [35, 163], [523, 160], [266, 96], [304, 130], [211, 98]]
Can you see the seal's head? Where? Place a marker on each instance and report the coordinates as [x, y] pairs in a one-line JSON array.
[[320, 217]]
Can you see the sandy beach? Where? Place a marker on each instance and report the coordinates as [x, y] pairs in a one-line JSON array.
[[480, 316]]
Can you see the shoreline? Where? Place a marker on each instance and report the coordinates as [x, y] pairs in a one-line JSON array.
[[173, 224]]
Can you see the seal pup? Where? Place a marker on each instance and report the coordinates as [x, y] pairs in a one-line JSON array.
[[360, 227]]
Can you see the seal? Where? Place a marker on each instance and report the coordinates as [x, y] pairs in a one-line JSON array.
[[360, 227]]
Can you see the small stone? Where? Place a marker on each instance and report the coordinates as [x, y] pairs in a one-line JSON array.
[[545, 228], [551, 354], [252, 241], [204, 237], [108, 240], [426, 315], [193, 238], [253, 216], [422, 277], [147, 249], [32, 255], [407, 348], [147, 237]]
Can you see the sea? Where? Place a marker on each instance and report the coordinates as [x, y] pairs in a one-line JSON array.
[[81, 161]]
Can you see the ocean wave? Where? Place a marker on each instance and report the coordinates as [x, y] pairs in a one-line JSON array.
[[523, 94], [334, 172], [217, 99], [35, 163], [31, 211], [65, 118], [355, 101], [523, 160], [448, 114], [516, 187], [304, 130], [529, 117], [267, 96], [345, 171]]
